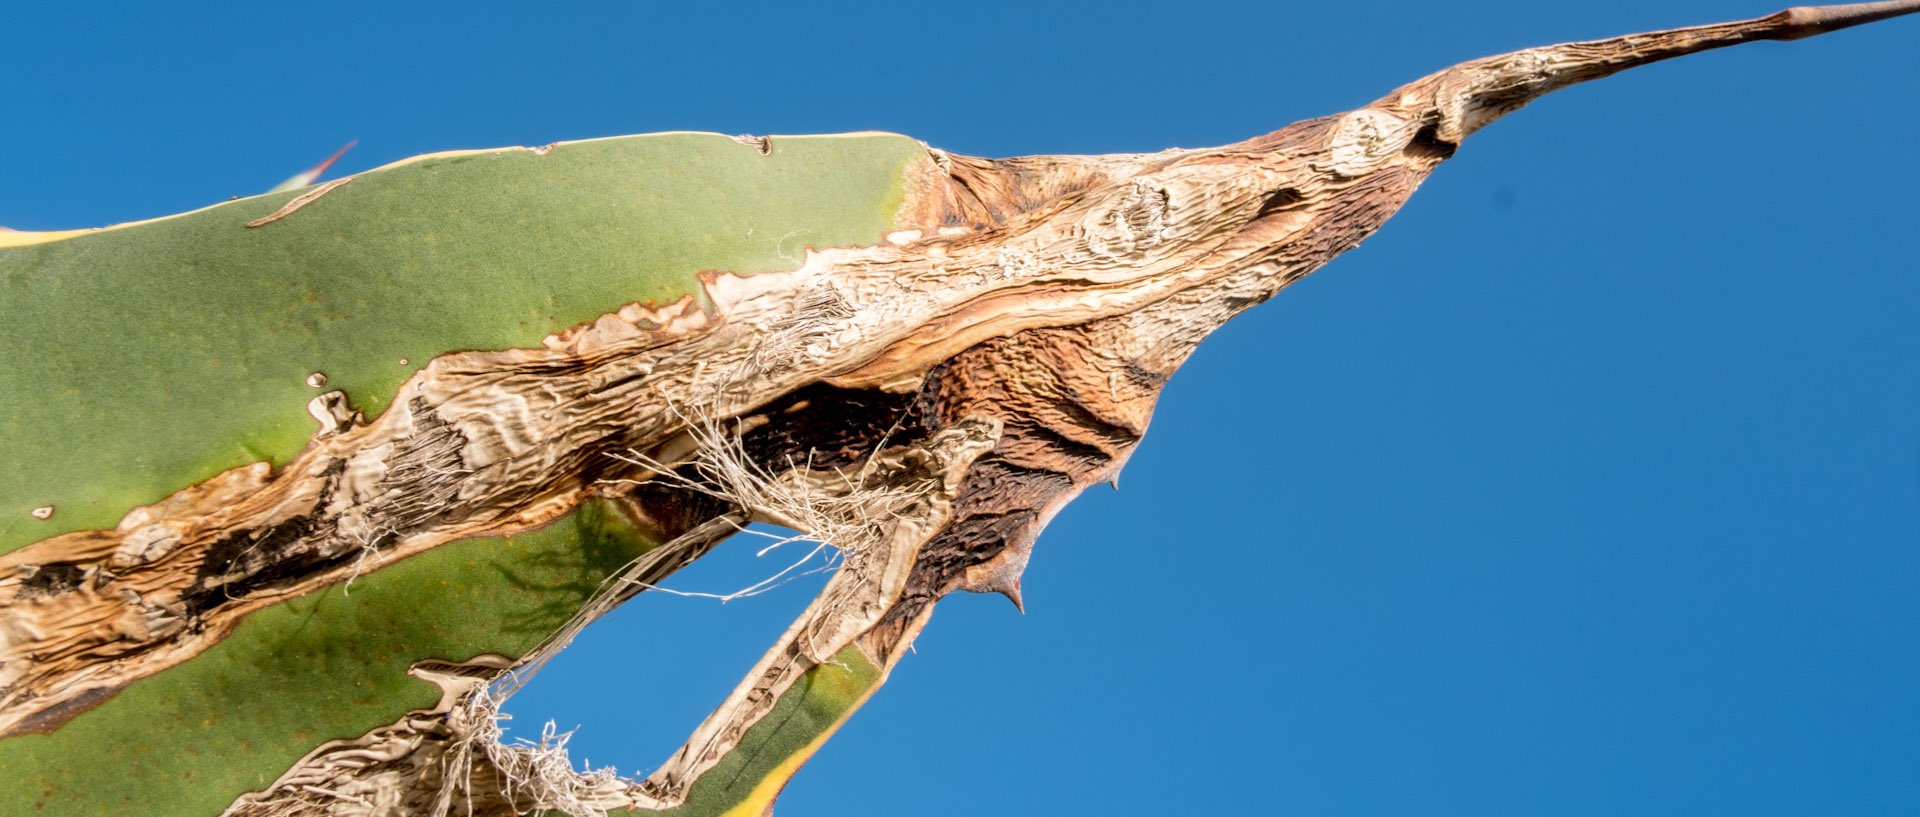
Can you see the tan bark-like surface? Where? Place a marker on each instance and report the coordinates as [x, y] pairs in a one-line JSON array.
[[977, 373]]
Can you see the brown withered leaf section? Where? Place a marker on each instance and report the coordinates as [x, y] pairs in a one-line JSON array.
[[999, 355]]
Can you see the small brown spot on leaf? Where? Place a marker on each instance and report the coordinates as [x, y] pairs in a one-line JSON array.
[[763, 144]]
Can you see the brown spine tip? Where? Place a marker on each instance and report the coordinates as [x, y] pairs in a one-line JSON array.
[[1806, 21]]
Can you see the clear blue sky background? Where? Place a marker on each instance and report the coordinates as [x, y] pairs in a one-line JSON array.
[[1590, 486]]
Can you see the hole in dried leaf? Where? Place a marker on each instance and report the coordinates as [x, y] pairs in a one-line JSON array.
[[1427, 144], [634, 684]]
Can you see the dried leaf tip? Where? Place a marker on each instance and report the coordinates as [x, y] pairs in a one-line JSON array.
[[1464, 98]]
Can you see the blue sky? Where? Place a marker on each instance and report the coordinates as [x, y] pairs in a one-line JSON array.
[[1591, 485]]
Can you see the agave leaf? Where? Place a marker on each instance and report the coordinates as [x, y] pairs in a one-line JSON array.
[[560, 374], [228, 333]]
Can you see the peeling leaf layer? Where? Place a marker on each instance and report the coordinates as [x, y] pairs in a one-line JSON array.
[[143, 358], [330, 665]]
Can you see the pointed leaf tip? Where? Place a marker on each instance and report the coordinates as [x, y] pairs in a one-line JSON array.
[[313, 174]]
